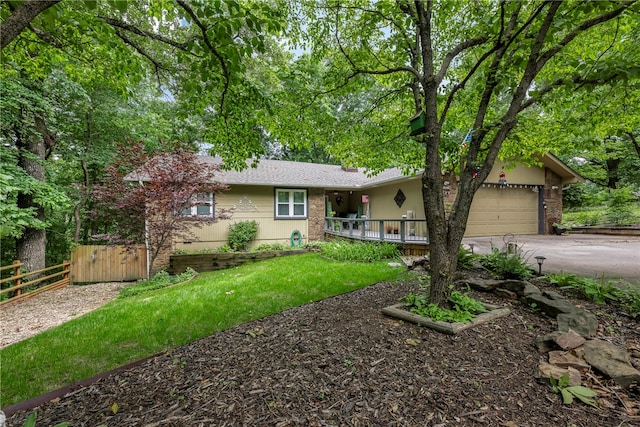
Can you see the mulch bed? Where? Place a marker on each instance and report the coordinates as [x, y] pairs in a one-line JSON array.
[[341, 362]]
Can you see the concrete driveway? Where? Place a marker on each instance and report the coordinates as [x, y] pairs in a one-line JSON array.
[[588, 255]]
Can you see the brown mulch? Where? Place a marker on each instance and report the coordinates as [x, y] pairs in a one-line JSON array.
[[340, 362]]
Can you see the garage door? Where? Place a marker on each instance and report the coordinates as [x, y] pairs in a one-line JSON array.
[[497, 211]]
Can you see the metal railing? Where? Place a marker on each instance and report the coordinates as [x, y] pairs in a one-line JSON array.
[[409, 230]]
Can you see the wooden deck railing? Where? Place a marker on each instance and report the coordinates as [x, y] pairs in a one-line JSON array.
[[405, 230], [42, 282]]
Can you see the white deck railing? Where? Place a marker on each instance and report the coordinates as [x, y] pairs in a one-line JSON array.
[[381, 230]]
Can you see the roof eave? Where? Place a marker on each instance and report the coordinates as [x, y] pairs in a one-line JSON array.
[[568, 175]]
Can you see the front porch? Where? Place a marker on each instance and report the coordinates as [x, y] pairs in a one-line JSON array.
[[410, 233]]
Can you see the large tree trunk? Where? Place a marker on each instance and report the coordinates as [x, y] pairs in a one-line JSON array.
[[20, 19], [30, 247]]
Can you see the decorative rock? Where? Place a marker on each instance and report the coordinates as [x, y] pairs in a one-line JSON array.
[[530, 289], [520, 287], [553, 295], [550, 306], [611, 360], [485, 285], [504, 293], [583, 322], [547, 342], [569, 340], [564, 359], [546, 370]]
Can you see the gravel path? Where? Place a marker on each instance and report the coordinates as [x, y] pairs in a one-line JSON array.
[[22, 319]]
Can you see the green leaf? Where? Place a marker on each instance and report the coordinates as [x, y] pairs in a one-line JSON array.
[[584, 394], [121, 5], [30, 421], [567, 397]]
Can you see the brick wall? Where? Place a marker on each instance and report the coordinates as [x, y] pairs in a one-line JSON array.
[[162, 260], [552, 199], [316, 214]]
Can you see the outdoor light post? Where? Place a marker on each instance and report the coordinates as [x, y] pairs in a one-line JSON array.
[[540, 260]]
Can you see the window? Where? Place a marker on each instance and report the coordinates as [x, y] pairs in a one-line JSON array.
[[203, 205], [291, 203]]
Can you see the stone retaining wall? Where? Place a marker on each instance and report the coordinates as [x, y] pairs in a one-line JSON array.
[[219, 261]]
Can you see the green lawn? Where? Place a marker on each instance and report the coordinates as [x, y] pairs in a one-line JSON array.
[[129, 329]]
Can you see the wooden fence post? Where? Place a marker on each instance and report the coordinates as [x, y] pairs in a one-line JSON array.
[[66, 268], [16, 272]]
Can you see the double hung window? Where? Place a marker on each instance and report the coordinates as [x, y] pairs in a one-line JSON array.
[[202, 206], [291, 203]]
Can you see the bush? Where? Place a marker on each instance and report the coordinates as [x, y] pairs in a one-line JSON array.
[[465, 259], [589, 218], [241, 234], [359, 251], [506, 265], [271, 247], [621, 204]]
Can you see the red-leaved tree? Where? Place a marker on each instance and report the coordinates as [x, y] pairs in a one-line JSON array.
[[143, 197]]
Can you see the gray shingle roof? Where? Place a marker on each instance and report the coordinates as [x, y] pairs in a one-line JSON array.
[[297, 174]]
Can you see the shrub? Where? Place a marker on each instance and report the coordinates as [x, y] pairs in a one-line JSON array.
[[506, 265], [271, 247], [241, 234], [465, 259], [589, 218], [341, 250], [621, 204]]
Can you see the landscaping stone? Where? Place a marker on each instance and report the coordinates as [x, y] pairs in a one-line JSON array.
[[416, 263], [485, 285], [520, 287], [546, 343], [565, 359], [569, 340], [548, 305], [581, 321], [546, 370], [504, 293], [530, 289], [611, 360]]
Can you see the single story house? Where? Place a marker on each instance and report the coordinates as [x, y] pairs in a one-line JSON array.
[[312, 200]]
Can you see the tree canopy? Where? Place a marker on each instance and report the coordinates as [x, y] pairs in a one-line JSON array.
[[475, 67]]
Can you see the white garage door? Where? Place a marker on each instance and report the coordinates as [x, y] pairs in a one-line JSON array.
[[496, 211]]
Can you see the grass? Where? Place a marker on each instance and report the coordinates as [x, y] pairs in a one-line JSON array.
[[129, 329]]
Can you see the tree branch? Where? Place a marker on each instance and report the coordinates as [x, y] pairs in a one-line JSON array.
[[20, 19], [147, 34], [214, 51], [545, 56], [634, 142], [467, 44], [157, 65]]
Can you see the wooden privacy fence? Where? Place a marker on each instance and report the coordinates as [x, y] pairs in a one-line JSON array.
[[98, 263], [34, 286]]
